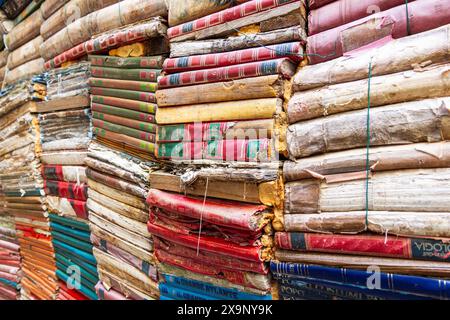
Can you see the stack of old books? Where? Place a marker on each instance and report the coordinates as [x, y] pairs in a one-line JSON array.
[[23, 40], [123, 84], [220, 127], [367, 184], [24, 188], [10, 273]]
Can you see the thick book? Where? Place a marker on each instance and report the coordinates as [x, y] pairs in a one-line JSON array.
[[64, 189], [182, 294], [124, 94], [371, 245], [292, 286], [224, 130], [123, 84], [195, 267], [64, 173], [259, 150], [147, 136], [121, 112], [210, 258], [125, 141], [231, 214], [125, 103], [209, 244], [135, 124], [424, 286], [226, 16]]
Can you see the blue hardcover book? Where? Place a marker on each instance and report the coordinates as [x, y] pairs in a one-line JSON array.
[[211, 290], [343, 291], [181, 294], [83, 289], [426, 287], [74, 233], [69, 222], [68, 260]]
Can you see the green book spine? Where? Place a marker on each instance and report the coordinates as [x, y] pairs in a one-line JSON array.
[[141, 116], [153, 62]]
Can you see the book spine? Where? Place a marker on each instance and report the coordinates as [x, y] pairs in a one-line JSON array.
[[124, 130], [121, 112], [66, 189], [125, 103], [254, 69], [216, 60], [139, 125], [155, 62], [405, 248], [123, 84], [126, 74], [125, 94], [130, 141]]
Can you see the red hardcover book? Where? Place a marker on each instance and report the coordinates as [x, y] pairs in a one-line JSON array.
[[231, 214], [210, 258]]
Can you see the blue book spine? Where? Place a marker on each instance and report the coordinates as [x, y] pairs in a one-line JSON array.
[[211, 290], [346, 292], [427, 287], [181, 294]]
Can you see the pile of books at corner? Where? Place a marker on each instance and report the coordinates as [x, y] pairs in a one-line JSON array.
[[23, 186], [220, 114], [65, 133], [369, 220], [10, 273], [123, 102]]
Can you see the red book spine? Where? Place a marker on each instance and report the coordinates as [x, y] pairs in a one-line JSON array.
[[207, 244]]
